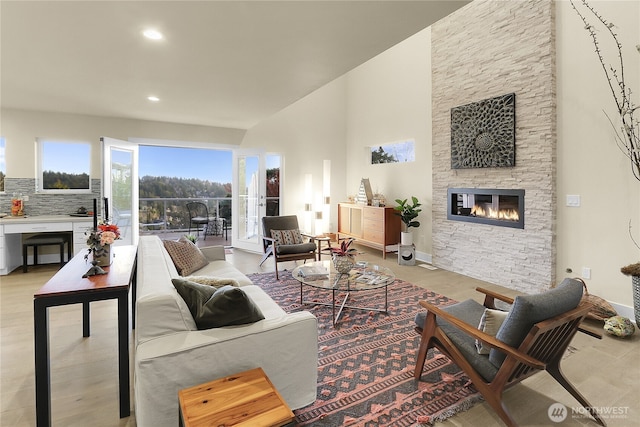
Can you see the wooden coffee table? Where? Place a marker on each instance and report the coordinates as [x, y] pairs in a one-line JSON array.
[[246, 399], [68, 286]]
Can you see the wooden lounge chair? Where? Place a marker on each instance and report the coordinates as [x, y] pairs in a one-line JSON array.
[[282, 252], [532, 338]]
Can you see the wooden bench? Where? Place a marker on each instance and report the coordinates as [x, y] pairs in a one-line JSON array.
[[46, 239]]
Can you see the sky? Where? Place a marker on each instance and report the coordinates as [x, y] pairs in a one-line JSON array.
[[205, 164], [208, 165]]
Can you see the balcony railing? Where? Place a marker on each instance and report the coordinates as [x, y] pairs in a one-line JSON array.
[[160, 215]]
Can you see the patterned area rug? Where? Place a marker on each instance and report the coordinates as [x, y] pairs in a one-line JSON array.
[[365, 372]]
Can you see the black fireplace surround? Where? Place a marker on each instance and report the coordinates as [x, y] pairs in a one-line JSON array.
[[500, 207]]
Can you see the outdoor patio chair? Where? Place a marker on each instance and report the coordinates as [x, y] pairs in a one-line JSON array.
[[199, 216], [532, 338], [282, 240]]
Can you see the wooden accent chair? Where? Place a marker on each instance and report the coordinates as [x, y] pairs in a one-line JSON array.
[[532, 338], [282, 249]]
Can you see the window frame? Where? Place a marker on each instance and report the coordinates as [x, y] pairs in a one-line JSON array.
[[40, 145]]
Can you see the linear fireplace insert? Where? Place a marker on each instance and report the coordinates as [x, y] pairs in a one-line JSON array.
[[504, 208]]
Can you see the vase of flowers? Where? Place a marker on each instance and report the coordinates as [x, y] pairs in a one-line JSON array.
[[343, 256], [100, 240]]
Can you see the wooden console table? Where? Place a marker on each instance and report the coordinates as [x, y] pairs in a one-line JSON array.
[[376, 227], [69, 287]]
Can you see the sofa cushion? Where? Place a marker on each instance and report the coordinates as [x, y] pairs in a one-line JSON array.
[[528, 310], [217, 282], [214, 308], [185, 255], [490, 323], [286, 237]]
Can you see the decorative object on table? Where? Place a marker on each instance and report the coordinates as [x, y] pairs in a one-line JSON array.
[[408, 213], [483, 133], [619, 326], [406, 255], [601, 310], [365, 195], [378, 200], [17, 205], [99, 240], [633, 270], [627, 131], [343, 256]]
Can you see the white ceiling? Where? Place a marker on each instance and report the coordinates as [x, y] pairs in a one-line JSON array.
[[222, 63]]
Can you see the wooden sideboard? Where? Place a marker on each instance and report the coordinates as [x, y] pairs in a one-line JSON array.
[[376, 227]]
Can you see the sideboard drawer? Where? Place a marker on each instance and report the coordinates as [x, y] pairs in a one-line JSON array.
[[38, 228]]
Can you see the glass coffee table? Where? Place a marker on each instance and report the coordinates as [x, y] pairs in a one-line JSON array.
[[364, 276]]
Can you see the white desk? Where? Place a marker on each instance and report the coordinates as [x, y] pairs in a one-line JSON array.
[[12, 229]]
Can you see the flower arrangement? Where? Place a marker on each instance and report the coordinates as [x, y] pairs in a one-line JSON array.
[[104, 234], [344, 250]]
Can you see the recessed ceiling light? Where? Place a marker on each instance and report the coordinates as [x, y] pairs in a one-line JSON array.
[[153, 34], [153, 98]]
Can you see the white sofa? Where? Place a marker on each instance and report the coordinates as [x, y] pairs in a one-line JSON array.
[[171, 354]]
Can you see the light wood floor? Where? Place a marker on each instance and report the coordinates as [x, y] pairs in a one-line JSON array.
[[84, 382]]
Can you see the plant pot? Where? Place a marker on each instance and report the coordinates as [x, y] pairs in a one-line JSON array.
[[635, 282], [406, 238], [342, 264], [102, 255]]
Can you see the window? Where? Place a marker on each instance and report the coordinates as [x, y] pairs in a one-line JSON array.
[[3, 165], [64, 166], [393, 152]]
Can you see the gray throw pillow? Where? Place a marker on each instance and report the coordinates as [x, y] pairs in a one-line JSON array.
[[214, 308], [528, 310]]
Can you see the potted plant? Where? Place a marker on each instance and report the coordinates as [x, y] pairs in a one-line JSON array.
[[408, 212], [633, 270], [343, 256]]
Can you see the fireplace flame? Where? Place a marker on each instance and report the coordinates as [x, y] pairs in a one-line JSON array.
[[503, 214]]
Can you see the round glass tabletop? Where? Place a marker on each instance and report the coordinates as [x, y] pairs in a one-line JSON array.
[[363, 276]]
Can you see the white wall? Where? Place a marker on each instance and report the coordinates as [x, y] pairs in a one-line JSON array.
[[389, 100], [21, 128], [595, 235], [306, 133]]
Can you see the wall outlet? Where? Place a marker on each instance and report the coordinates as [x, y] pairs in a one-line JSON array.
[[25, 198], [586, 273], [573, 200]]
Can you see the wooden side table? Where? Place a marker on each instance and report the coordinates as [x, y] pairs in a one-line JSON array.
[[245, 399], [68, 286]]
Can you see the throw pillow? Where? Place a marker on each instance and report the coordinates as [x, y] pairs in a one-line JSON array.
[[286, 237], [186, 256], [214, 308], [490, 323], [212, 281]]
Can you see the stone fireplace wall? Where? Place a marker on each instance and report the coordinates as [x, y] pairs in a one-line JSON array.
[[487, 49]]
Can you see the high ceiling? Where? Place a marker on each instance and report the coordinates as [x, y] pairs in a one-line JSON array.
[[221, 63]]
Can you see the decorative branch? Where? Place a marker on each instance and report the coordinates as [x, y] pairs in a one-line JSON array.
[[628, 132]]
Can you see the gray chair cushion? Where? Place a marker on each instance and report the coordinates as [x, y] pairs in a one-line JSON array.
[[470, 312], [528, 310], [296, 249], [216, 307]]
